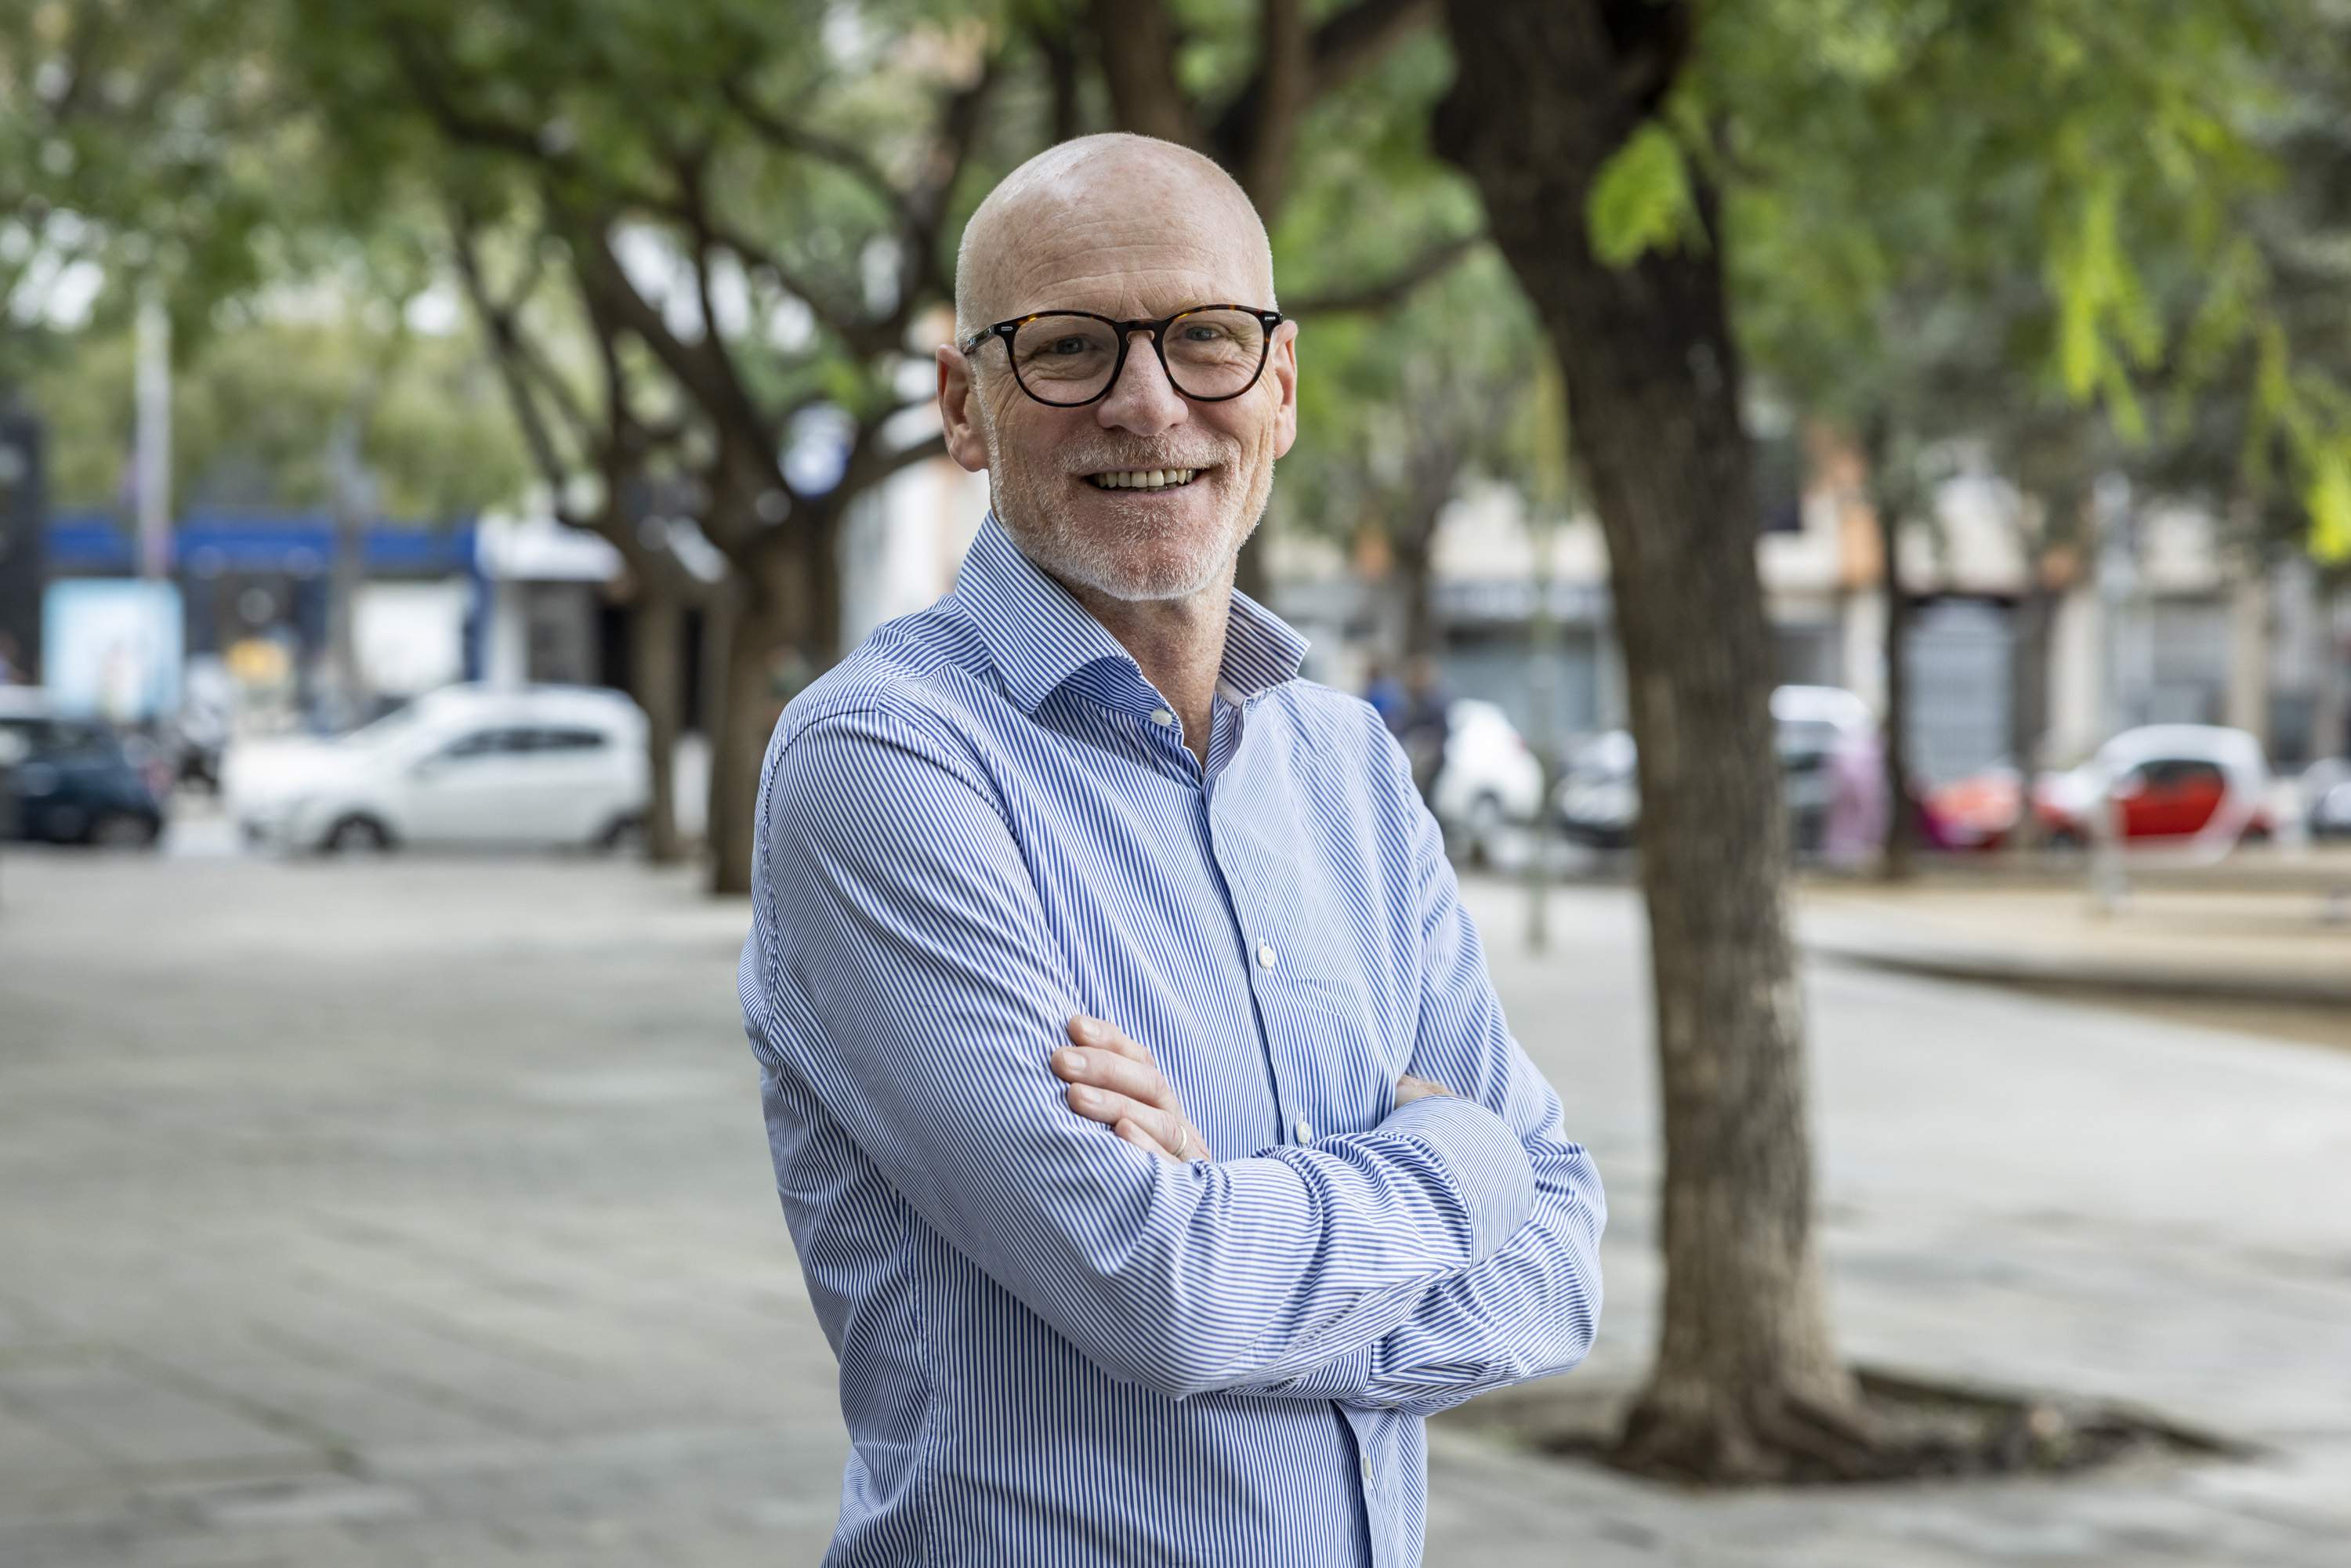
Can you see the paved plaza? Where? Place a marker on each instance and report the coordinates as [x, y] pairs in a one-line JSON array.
[[418, 1212]]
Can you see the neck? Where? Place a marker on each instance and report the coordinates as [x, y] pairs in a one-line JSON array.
[[1179, 645]]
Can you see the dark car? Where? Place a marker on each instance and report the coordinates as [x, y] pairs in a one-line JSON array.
[[75, 782]]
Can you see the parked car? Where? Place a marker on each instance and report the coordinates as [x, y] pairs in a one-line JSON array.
[[465, 765], [1490, 781], [1826, 741], [2174, 781], [2326, 787], [75, 780]]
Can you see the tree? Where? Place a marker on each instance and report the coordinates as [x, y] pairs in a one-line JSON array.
[[132, 146], [1547, 98], [1405, 407], [609, 465], [1607, 137], [762, 216]]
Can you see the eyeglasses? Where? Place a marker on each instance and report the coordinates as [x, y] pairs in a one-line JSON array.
[[1068, 359]]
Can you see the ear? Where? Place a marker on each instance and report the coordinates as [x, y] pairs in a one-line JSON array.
[[1284, 370], [959, 410]]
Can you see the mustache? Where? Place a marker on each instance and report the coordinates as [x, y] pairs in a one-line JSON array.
[[1106, 459]]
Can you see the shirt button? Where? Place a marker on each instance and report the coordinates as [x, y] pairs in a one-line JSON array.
[[1305, 1131], [1265, 955], [1160, 716], [1367, 1470]]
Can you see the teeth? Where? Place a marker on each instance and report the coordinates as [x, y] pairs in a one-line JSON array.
[[1144, 478]]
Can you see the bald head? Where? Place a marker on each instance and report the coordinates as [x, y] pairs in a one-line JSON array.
[[1125, 226]]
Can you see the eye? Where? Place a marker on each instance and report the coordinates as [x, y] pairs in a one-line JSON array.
[[1070, 345]]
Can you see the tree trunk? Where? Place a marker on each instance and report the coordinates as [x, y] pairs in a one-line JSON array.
[[1746, 1384], [1901, 807], [782, 635], [1412, 555], [656, 679], [738, 739], [2028, 710], [2328, 726]]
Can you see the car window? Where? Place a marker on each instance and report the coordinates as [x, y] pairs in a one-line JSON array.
[[2195, 775], [571, 738], [486, 743], [71, 738]]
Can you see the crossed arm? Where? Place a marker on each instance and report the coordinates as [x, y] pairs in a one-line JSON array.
[[923, 985], [1529, 1312]]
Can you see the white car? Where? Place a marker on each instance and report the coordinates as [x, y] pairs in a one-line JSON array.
[[465, 765], [1814, 730], [1491, 779], [2198, 785]]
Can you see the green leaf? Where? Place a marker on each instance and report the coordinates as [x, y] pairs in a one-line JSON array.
[[2329, 501], [1641, 200]]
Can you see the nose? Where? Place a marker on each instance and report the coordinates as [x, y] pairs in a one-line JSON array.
[[1144, 400]]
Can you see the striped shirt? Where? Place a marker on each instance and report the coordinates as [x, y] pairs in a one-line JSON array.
[[1057, 1350]]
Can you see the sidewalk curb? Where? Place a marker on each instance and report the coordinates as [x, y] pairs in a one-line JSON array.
[[2002, 966]]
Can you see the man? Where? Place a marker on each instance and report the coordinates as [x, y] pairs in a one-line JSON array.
[[1085, 802]]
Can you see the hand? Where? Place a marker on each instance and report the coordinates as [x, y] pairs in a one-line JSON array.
[[1113, 1081], [1409, 1089]]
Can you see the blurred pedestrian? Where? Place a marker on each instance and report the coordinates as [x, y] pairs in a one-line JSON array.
[[1427, 722], [1386, 693]]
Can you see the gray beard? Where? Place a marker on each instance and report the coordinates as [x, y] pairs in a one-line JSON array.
[[1049, 534]]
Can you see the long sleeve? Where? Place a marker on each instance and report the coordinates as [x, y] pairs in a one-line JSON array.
[[1532, 1309], [928, 993]]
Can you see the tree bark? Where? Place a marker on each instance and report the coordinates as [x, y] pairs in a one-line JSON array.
[[2328, 726], [782, 635], [2028, 711], [1897, 862], [656, 679], [1746, 1384], [1414, 569]]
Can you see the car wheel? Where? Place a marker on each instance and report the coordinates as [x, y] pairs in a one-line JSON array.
[[626, 832], [125, 830], [357, 835]]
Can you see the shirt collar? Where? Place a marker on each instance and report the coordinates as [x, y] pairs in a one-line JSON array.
[[1039, 636]]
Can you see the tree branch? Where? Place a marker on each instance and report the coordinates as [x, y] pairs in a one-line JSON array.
[[1138, 60], [1392, 290], [1340, 50], [699, 367], [786, 136]]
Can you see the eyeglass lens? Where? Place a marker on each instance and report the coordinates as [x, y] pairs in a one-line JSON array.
[[1071, 358]]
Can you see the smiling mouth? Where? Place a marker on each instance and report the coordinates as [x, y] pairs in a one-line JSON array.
[[1144, 478]]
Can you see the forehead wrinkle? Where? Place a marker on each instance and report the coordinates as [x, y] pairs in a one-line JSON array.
[[1155, 277]]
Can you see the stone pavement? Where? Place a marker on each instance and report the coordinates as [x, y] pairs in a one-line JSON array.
[[417, 1212]]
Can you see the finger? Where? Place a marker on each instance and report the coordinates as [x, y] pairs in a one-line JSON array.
[[1101, 1105], [1173, 1134], [1087, 1030], [1104, 1071], [1133, 1133]]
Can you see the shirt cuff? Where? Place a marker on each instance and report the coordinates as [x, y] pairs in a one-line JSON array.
[[1487, 1163]]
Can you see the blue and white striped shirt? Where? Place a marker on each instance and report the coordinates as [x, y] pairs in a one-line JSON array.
[[1057, 1350]]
